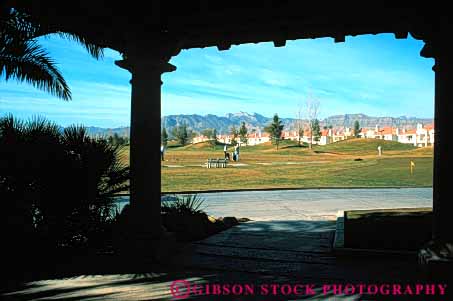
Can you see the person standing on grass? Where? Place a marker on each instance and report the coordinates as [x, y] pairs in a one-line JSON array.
[[237, 152], [162, 151], [225, 151], [379, 150]]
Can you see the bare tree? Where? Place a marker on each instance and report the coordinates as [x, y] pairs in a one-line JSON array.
[[312, 111], [300, 123]]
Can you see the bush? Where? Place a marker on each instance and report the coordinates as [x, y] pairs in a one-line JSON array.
[[57, 186], [185, 216], [190, 204]]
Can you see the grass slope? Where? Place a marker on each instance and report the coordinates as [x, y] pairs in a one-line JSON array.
[[333, 165], [365, 146]]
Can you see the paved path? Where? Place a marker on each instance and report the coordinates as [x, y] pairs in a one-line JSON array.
[[289, 241], [292, 235], [311, 204], [291, 248], [308, 204], [253, 253]]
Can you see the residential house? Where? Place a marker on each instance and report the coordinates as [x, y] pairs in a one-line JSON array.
[[388, 133], [422, 136], [290, 135], [199, 139], [257, 138], [326, 137]]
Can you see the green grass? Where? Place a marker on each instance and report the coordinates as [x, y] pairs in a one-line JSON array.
[[333, 165], [365, 146], [391, 172]]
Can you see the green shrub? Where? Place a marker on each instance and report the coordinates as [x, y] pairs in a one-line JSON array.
[[189, 204], [57, 186], [185, 216]]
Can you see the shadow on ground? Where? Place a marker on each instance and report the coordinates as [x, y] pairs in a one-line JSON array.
[[255, 253]]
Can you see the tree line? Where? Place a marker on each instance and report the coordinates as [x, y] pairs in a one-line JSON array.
[[307, 124], [116, 139], [182, 134]]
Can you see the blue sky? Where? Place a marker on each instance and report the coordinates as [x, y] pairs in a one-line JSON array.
[[377, 75]]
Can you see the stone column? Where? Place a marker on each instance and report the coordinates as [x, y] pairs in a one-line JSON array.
[[145, 132], [443, 144]]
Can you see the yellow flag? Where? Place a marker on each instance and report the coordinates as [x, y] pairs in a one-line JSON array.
[[412, 164]]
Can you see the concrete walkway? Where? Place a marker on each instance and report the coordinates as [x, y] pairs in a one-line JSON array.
[[290, 242], [254, 253], [311, 204], [308, 204], [290, 248]]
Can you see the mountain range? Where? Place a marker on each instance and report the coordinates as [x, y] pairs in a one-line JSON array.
[[256, 121]]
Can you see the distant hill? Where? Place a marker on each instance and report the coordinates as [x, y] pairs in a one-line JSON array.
[[365, 121], [221, 123], [97, 131], [256, 121]]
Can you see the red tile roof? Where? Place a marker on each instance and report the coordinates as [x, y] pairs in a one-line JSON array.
[[387, 131]]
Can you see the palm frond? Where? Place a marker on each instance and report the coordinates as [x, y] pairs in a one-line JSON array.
[[20, 25], [17, 25], [75, 135], [189, 204], [93, 49], [29, 62], [23, 59], [40, 129], [11, 128]]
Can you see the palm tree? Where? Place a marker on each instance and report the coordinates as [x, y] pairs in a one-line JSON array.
[[23, 59], [56, 185]]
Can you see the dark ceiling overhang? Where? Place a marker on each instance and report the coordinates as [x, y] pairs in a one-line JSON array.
[[146, 26]]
